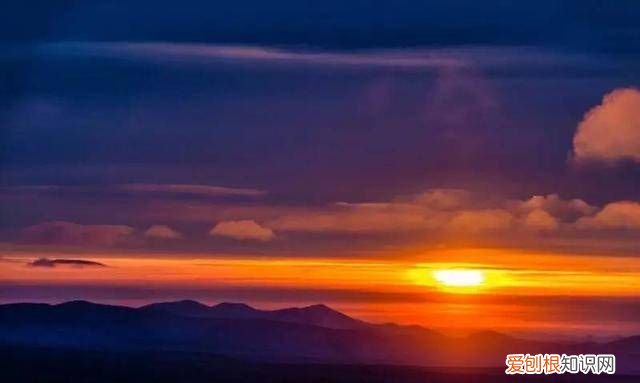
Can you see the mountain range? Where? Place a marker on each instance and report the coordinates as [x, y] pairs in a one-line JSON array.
[[309, 334]]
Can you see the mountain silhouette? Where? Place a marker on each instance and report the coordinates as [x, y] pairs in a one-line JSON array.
[[313, 333], [318, 315], [184, 307]]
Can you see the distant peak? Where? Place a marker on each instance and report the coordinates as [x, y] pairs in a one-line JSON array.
[[233, 305], [77, 303], [182, 303], [320, 308], [86, 305], [319, 315], [488, 334], [190, 302], [183, 307]]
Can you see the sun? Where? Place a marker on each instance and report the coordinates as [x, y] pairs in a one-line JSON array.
[[459, 277]]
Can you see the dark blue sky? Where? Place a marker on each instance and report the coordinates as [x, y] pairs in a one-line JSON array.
[[313, 103], [590, 24]]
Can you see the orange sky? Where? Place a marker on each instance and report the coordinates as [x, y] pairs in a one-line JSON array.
[[521, 291]]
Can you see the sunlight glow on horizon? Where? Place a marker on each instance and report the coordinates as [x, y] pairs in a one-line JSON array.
[[459, 277], [446, 289]]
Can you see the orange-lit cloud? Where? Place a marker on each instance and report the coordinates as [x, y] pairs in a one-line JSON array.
[[611, 130], [443, 210], [441, 198], [435, 216], [454, 212], [163, 232], [355, 217], [434, 209], [616, 215], [243, 229], [539, 219], [481, 220], [556, 206]]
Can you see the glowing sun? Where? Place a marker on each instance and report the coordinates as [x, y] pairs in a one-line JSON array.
[[459, 277]]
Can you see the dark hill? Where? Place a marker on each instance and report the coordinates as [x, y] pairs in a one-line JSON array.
[[315, 333]]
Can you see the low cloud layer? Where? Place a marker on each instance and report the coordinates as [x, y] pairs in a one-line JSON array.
[[442, 210], [354, 218], [480, 220], [611, 131], [46, 262], [429, 217], [242, 230], [73, 234]]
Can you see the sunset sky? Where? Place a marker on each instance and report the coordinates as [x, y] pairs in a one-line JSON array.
[[340, 156]]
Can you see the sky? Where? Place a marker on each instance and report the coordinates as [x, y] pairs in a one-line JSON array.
[[290, 153]]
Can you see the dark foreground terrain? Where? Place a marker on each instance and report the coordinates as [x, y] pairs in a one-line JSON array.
[[186, 341], [24, 365]]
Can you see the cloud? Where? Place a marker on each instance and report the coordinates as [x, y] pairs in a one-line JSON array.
[[610, 131], [443, 198], [243, 229], [69, 233], [428, 210], [455, 100], [570, 209], [163, 232], [194, 190], [448, 210], [156, 51], [615, 215], [354, 217], [498, 59], [481, 220], [46, 262], [539, 219], [142, 188]]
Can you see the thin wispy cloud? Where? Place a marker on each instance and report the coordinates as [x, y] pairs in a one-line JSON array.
[[191, 52], [50, 263], [141, 188], [196, 190], [489, 57]]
